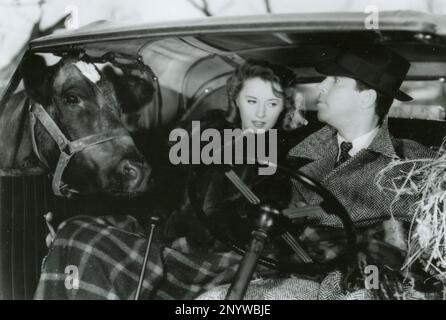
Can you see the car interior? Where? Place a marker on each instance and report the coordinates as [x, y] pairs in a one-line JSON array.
[[186, 74]]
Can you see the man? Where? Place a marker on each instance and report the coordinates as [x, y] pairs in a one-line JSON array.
[[347, 155]]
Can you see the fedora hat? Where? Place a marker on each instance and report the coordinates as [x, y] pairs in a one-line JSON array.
[[377, 66]]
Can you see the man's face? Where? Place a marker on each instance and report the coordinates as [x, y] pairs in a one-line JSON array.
[[338, 101]]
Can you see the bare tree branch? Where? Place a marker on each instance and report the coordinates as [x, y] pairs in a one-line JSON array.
[[204, 7], [60, 24], [18, 3], [268, 6], [430, 5]]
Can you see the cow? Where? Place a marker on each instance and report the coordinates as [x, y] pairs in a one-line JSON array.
[[68, 122]]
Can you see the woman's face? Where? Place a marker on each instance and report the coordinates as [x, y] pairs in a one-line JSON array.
[[259, 106]]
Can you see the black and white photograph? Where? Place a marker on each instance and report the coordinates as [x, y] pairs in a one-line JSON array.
[[213, 150]]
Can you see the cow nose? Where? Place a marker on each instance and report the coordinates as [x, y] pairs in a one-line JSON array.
[[133, 172], [129, 170]]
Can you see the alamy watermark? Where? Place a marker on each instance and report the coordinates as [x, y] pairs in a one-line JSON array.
[[371, 22], [72, 21], [371, 280], [234, 146], [72, 277]]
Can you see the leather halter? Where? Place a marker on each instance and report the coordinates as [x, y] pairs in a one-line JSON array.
[[67, 148]]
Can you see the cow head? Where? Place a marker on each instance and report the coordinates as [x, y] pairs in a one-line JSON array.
[[82, 103]]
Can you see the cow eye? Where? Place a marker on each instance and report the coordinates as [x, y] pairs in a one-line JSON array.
[[71, 99]]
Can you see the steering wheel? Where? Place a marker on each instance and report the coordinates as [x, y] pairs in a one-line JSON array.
[[283, 217]]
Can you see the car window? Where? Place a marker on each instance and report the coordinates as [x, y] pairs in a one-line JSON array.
[[429, 100]]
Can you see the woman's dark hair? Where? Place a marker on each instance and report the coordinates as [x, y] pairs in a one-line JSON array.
[[290, 117]]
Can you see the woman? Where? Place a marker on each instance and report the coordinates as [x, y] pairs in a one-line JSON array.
[[264, 96], [107, 252], [261, 96]]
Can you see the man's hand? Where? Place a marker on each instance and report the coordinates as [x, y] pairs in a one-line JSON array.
[[382, 243], [323, 243], [300, 204], [326, 243]]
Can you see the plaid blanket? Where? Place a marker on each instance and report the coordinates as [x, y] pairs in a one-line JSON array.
[[101, 258]]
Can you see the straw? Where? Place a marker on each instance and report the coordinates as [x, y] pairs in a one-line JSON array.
[[426, 179]]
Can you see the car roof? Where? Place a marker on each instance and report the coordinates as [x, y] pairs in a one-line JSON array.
[[297, 40], [409, 21], [191, 60]]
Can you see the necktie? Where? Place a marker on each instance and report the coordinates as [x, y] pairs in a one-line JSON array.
[[344, 156]]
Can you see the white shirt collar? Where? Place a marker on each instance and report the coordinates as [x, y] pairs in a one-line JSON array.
[[359, 143]]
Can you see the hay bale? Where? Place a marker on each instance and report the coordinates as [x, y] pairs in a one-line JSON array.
[[427, 236]]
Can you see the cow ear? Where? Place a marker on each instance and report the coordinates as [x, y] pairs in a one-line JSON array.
[[132, 89], [36, 75]]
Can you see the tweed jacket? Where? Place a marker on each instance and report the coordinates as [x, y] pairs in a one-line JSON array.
[[354, 181]]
